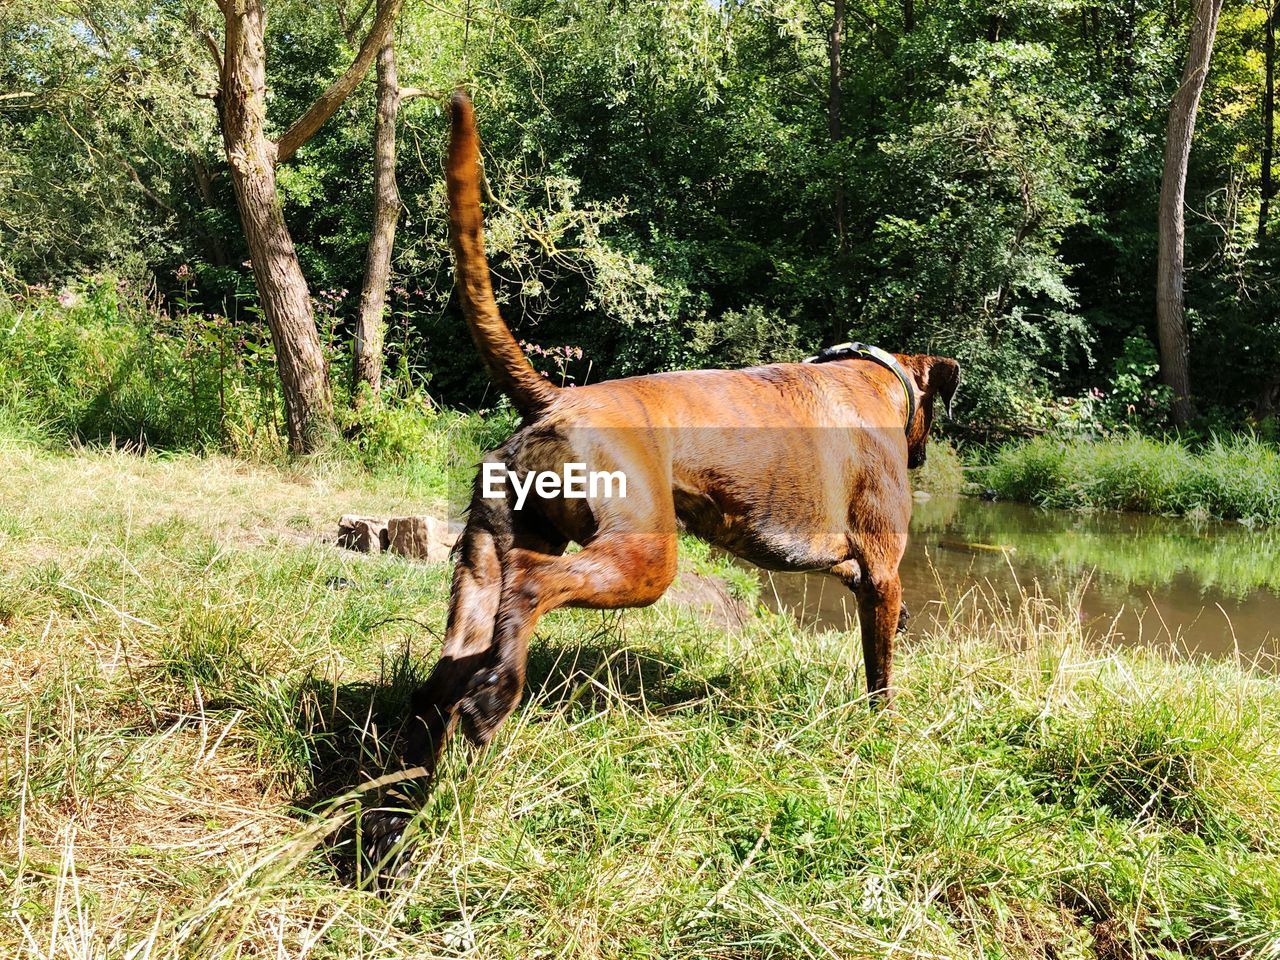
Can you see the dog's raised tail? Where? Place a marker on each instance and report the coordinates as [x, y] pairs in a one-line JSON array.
[[508, 366]]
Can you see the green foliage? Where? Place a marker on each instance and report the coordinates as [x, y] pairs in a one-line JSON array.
[[99, 363], [742, 339], [1136, 396], [943, 470], [1133, 398], [663, 185], [434, 452], [1236, 478], [989, 182], [101, 122]]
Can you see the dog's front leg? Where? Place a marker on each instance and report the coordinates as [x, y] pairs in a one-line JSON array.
[[473, 607], [468, 642], [879, 614], [849, 573]]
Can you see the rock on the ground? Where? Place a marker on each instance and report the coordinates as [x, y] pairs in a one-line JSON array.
[[365, 534], [420, 538]]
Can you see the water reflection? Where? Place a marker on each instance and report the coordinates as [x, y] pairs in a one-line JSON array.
[[1211, 587]]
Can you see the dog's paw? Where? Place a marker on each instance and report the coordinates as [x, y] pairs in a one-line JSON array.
[[386, 844], [489, 699], [903, 616]]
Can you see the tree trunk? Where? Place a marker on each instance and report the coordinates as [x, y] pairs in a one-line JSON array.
[[366, 355], [1268, 119], [835, 131], [1170, 309], [908, 15], [286, 301]]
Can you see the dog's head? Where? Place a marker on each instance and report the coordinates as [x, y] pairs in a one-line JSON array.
[[934, 377]]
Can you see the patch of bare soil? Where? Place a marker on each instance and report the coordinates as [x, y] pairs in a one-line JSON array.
[[709, 596]]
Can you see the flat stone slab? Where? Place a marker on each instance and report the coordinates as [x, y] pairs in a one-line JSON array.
[[420, 538]]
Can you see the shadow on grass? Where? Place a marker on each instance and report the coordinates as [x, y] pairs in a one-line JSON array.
[[597, 671], [354, 731]]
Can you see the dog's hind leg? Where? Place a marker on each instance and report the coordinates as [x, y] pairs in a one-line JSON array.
[[473, 609], [612, 571], [468, 647], [473, 605]]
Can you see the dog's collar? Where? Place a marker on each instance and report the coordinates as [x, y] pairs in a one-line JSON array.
[[848, 351]]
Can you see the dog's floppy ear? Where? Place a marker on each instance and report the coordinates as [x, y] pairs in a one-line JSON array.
[[944, 379], [935, 376]]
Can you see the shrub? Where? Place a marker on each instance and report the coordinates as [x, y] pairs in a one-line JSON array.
[[433, 450], [943, 471], [101, 364]]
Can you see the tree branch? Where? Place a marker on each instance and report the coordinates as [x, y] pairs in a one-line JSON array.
[[305, 127], [212, 44], [412, 93], [147, 192], [358, 20]]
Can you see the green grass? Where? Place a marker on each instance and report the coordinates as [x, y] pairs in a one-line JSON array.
[[1236, 478], [943, 470], [191, 673], [106, 365]]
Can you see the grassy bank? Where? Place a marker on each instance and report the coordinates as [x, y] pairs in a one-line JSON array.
[[191, 672], [102, 365], [1234, 479]]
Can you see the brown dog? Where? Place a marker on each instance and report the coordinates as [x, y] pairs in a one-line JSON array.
[[791, 466]]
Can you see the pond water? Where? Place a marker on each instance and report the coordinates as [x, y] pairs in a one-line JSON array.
[[1206, 587]]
